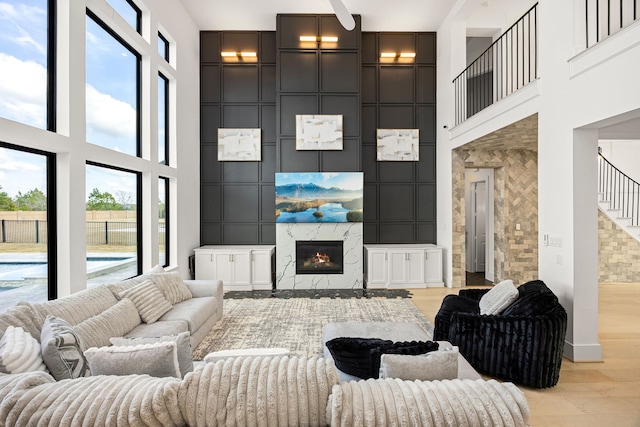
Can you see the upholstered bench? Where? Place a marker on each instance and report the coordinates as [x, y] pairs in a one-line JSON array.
[[394, 331]]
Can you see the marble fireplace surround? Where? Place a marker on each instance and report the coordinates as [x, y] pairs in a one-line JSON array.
[[351, 233]]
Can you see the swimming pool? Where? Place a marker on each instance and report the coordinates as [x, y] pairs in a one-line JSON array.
[[20, 270]]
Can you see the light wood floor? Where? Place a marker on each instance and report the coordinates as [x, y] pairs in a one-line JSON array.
[[588, 394]]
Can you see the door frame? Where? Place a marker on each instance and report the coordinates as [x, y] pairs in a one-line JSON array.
[[473, 175]]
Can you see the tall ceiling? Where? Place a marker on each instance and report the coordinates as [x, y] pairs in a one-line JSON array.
[[377, 15]]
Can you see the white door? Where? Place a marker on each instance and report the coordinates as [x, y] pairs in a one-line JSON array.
[[479, 244]]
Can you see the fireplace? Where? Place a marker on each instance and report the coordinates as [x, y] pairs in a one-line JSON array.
[[319, 257]]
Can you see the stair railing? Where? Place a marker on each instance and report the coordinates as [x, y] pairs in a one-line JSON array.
[[510, 63], [621, 191]]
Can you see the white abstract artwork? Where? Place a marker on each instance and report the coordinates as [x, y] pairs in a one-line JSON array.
[[240, 145], [318, 132], [398, 145]]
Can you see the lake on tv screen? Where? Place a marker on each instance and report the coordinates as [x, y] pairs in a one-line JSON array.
[[331, 212]]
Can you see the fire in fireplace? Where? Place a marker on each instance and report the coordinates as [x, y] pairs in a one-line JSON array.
[[319, 257]]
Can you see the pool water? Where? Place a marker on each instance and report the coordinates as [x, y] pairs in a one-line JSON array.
[[20, 270]]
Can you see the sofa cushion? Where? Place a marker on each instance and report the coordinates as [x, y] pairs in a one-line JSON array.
[[79, 306], [172, 286], [113, 322], [158, 329], [183, 347], [434, 365], [159, 359], [148, 299], [498, 298], [194, 311], [534, 298], [61, 350], [19, 352]]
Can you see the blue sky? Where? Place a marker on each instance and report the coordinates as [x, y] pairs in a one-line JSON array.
[[110, 88]]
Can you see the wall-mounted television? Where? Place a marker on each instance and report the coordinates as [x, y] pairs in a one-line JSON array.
[[314, 197]]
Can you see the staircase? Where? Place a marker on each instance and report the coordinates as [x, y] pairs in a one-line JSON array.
[[619, 197]]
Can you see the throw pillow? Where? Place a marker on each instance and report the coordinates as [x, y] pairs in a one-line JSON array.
[[62, 350], [19, 352], [159, 359], [183, 347], [360, 357], [498, 298], [434, 365], [123, 285], [149, 301], [534, 298], [115, 321], [172, 286]]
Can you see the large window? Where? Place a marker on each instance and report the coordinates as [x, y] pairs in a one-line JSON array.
[[163, 122], [163, 47], [163, 221], [24, 63], [112, 90], [129, 11], [27, 226], [113, 224]]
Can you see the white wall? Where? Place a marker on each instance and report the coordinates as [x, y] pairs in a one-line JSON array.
[[623, 154], [574, 96], [73, 152]]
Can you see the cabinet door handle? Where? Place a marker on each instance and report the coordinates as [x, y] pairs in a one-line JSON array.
[[426, 255], [385, 256]]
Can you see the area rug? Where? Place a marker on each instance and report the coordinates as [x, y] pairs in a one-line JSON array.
[[296, 323]]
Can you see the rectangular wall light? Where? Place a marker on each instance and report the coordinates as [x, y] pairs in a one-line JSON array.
[[238, 54], [318, 39], [397, 55]]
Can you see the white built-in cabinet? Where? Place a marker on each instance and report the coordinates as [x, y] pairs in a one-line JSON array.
[[241, 268], [402, 266]]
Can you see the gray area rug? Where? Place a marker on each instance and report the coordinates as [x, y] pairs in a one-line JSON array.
[[296, 323]]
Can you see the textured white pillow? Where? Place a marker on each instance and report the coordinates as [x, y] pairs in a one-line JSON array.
[[183, 347], [435, 365], [20, 352], [157, 360], [172, 286], [149, 301], [498, 298]]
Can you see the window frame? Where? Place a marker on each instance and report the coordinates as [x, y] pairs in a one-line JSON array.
[[167, 220], [139, 207], [91, 15], [166, 100], [166, 56], [52, 215]]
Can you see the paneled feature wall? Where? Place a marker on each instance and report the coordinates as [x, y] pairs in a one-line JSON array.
[[317, 78], [400, 197], [290, 77], [237, 199]]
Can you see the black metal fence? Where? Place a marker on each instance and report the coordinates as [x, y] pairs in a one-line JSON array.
[[507, 65], [604, 18], [117, 233], [622, 192]]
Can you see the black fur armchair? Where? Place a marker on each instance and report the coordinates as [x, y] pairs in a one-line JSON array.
[[523, 344]]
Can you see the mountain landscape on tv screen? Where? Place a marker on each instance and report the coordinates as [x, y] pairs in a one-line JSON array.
[[311, 202]]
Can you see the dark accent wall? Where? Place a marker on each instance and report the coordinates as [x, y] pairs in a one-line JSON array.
[[400, 197], [237, 203], [317, 78], [290, 77]]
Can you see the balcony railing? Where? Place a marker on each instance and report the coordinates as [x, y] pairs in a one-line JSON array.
[[510, 63], [622, 192], [605, 18]]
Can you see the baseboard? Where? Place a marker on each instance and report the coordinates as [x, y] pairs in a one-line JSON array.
[[583, 352]]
